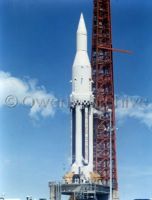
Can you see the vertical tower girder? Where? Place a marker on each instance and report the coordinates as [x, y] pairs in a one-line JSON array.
[[103, 88]]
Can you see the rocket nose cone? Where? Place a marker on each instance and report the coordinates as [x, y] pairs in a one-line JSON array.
[[82, 27]]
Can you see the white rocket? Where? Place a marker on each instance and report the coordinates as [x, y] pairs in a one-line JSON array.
[[82, 101]]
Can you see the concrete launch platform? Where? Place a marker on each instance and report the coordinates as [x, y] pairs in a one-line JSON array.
[[78, 191]]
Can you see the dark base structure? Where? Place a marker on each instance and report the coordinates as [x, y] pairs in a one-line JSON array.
[[78, 191]]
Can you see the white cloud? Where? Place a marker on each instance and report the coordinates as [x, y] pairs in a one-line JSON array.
[[42, 103], [134, 107], [14, 92]]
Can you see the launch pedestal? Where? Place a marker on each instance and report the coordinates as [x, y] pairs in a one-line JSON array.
[[78, 191]]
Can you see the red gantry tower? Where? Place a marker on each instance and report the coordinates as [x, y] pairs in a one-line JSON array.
[[103, 88]]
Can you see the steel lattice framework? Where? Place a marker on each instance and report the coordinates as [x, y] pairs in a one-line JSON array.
[[103, 87]]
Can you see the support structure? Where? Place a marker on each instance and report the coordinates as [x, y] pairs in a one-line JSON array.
[[78, 191], [103, 89]]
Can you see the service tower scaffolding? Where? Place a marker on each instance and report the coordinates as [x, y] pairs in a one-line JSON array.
[[103, 88]]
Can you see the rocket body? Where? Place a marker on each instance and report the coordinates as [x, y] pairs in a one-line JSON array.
[[81, 100]]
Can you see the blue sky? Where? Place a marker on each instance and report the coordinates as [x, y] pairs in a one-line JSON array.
[[37, 48]]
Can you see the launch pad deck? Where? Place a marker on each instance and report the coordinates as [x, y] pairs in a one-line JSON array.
[[78, 191]]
